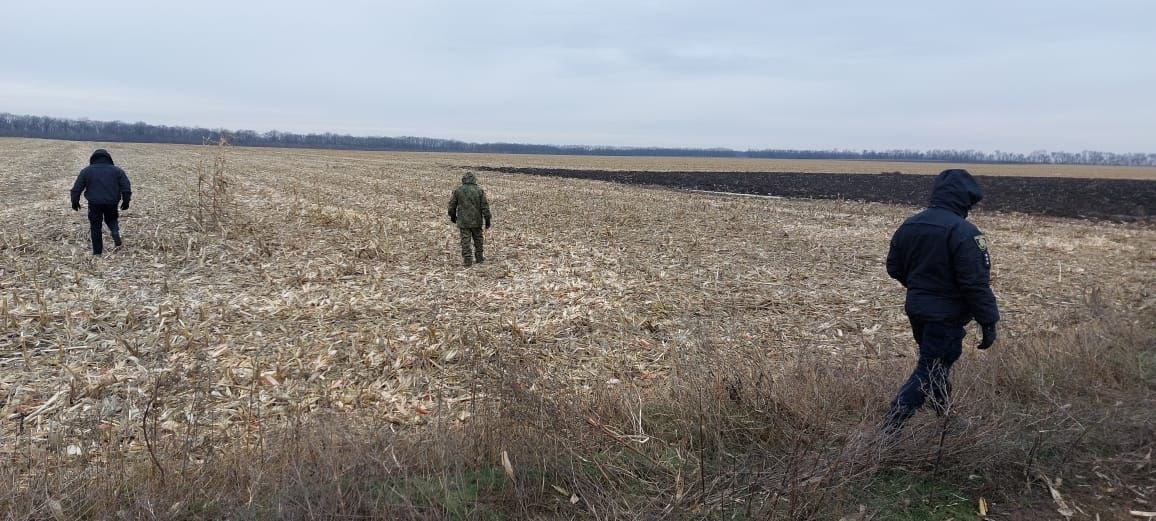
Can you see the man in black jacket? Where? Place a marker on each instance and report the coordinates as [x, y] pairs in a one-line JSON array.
[[103, 185], [943, 261]]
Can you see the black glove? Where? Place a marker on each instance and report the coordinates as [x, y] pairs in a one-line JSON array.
[[453, 216], [124, 205], [75, 206], [989, 336], [487, 223]]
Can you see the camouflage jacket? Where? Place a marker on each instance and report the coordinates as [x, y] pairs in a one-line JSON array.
[[469, 204]]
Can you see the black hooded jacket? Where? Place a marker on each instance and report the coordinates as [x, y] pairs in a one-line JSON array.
[[942, 259], [101, 181]]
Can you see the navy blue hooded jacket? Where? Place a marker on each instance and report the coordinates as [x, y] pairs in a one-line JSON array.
[[942, 259], [101, 181]]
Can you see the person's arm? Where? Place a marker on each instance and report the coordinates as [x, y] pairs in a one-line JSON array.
[[972, 263], [485, 205], [78, 188], [125, 190], [896, 268], [453, 208]]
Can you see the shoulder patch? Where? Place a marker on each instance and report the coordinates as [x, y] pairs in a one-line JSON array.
[[981, 242]]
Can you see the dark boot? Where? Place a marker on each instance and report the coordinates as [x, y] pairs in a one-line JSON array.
[[116, 240]]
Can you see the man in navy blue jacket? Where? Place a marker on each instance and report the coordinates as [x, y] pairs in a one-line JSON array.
[[103, 185], [943, 261]]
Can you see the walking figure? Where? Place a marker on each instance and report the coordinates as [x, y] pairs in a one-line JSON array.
[[470, 210], [943, 261], [104, 185]]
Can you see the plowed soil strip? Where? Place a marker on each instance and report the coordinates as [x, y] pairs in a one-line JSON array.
[[1115, 199]]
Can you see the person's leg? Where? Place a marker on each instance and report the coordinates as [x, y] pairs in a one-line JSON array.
[[466, 237], [479, 245], [916, 330], [930, 372], [911, 395], [95, 217], [949, 348], [112, 219]]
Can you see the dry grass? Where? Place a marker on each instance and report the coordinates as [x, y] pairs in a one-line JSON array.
[[644, 354]]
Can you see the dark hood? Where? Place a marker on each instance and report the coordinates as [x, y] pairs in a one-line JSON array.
[[100, 156], [955, 190], [469, 179]]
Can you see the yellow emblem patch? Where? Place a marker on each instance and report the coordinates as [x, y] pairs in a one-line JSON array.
[[981, 241]]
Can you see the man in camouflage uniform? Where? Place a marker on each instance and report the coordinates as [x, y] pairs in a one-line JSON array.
[[470, 210]]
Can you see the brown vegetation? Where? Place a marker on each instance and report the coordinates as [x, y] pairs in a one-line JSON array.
[[625, 353]]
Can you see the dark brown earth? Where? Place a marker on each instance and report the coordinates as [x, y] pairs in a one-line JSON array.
[[1113, 199]]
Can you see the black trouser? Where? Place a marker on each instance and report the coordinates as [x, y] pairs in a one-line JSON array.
[[939, 347], [106, 213]]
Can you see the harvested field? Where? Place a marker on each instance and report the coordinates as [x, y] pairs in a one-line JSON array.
[[329, 289]]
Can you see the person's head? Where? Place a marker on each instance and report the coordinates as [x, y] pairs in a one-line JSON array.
[[469, 179], [955, 190], [100, 156]]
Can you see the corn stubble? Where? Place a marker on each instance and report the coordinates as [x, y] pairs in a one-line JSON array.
[[288, 334]]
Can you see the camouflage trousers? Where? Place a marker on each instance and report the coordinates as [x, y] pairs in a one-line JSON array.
[[474, 235]]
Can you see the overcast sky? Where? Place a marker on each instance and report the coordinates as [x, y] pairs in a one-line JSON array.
[[1009, 75]]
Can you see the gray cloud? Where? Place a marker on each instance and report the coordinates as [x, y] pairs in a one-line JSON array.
[[1015, 76]]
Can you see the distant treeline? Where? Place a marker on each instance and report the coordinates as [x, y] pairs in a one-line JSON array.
[[12, 125]]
